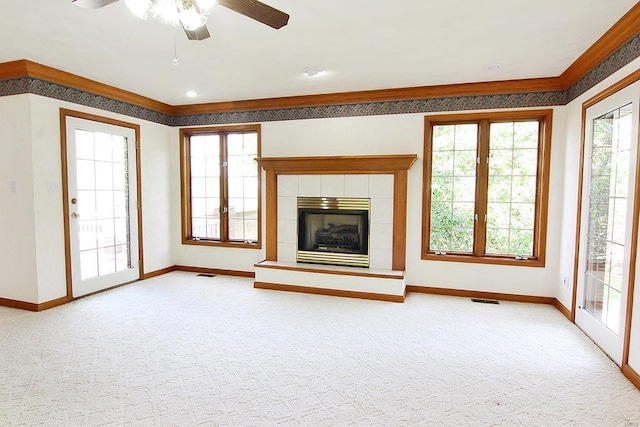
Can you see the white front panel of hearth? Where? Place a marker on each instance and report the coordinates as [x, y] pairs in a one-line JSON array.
[[378, 188]]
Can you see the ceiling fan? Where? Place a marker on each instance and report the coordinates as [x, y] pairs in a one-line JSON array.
[[191, 14]]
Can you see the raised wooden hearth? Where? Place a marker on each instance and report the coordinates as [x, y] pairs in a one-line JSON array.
[[385, 179], [354, 282]]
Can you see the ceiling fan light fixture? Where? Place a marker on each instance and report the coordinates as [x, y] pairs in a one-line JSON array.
[[166, 10], [206, 6], [191, 20], [139, 8]]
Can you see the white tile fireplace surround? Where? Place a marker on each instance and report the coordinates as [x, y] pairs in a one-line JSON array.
[[377, 188], [382, 179]]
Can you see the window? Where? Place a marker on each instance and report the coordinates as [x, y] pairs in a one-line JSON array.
[[486, 179], [221, 186]]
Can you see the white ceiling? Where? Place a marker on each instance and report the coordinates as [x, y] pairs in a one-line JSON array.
[[364, 44]]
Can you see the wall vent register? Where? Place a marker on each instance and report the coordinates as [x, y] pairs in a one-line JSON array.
[[333, 231]]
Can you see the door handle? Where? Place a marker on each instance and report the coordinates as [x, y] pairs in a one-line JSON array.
[[75, 215]]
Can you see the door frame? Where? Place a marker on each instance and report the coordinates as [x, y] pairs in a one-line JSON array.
[[622, 84], [64, 113]]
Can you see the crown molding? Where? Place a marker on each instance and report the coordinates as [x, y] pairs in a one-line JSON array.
[[381, 95], [616, 48], [616, 37], [24, 68]]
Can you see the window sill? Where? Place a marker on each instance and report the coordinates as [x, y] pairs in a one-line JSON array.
[[239, 245], [533, 262]]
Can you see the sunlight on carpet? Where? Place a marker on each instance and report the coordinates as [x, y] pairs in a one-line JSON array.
[[183, 350]]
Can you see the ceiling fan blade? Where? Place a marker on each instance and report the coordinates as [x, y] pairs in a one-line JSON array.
[[258, 11], [92, 4], [201, 33]]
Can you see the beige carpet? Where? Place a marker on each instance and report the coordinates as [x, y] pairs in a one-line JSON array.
[[182, 350]]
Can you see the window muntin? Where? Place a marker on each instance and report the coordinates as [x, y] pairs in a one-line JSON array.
[[221, 186], [485, 186]]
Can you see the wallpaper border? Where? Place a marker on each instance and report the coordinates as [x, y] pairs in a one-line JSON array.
[[621, 57]]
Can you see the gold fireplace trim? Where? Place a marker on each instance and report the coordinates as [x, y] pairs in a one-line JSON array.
[[334, 203], [339, 203], [332, 258]]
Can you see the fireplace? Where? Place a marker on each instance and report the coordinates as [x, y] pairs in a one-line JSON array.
[[333, 231]]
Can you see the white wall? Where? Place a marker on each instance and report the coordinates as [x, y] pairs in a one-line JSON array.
[[32, 245], [404, 134], [17, 232]]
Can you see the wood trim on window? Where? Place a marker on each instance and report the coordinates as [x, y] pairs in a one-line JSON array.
[[185, 187], [544, 117]]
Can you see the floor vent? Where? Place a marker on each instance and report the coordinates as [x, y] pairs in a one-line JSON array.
[[485, 301], [206, 275]]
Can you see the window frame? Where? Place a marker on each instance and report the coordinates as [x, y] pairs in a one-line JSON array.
[[484, 120], [185, 187]]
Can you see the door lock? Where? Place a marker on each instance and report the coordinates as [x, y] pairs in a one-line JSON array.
[[75, 215]]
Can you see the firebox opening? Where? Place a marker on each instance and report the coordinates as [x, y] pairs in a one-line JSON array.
[[333, 233]]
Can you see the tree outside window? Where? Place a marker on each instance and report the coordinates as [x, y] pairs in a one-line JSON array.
[[485, 187]]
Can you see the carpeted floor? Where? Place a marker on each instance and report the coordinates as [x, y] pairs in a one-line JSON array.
[[183, 350]]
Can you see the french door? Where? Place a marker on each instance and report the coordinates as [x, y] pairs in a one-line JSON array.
[[608, 197], [102, 205]]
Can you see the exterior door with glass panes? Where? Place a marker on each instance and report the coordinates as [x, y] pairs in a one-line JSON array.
[[102, 205], [608, 195]]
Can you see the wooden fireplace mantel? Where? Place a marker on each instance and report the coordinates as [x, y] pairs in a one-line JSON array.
[[337, 165], [397, 165]]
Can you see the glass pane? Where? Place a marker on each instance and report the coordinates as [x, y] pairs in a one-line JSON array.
[[212, 187], [198, 187], [236, 166], [88, 264], [122, 257], [606, 234], [212, 145], [84, 144], [87, 204], [497, 241], [205, 222], [513, 164], [102, 179], [103, 147], [198, 207], [85, 171], [106, 261], [235, 144], [453, 187], [88, 235], [106, 233], [119, 149], [104, 204], [236, 187], [197, 145], [104, 175], [198, 166], [250, 186], [243, 219], [212, 166], [241, 182], [120, 204]]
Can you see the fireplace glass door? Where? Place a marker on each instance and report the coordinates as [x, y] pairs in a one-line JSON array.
[[333, 233]]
